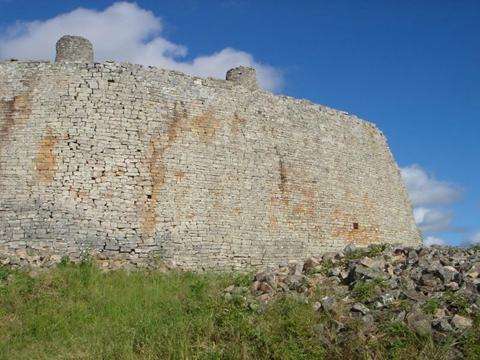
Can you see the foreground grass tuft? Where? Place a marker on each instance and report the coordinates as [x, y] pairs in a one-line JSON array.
[[78, 312]]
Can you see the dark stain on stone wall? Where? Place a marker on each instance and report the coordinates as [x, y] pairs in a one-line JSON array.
[[353, 231], [236, 123], [202, 127], [156, 168], [45, 161], [13, 112]]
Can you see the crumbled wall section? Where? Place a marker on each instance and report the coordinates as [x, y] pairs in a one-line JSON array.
[[123, 159]]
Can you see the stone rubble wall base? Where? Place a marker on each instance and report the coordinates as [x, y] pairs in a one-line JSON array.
[[434, 291]]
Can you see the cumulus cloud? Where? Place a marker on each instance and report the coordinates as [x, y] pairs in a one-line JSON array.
[[429, 241], [424, 189], [430, 198], [125, 32], [472, 240], [432, 220]]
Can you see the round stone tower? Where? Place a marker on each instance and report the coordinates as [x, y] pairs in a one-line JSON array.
[[74, 48], [244, 75]]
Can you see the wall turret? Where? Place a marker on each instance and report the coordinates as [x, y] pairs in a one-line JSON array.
[[245, 76], [73, 49]]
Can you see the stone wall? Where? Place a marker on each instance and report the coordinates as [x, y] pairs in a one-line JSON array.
[[134, 161]]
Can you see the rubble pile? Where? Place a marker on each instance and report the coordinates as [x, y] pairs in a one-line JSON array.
[[432, 290]]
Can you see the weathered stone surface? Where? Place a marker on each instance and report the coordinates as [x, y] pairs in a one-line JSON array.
[[413, 295], [419, 321], [204, 173], [368, 319], [367, 262], [350, 248], [386, 299], [362, 272], [310, 263], [442, 325], [243, 75], [328, 303], [461, 322], [361, 308], [74, 48]]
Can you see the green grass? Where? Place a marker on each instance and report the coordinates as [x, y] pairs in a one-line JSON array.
[[475, 246], [363, 290], [371, 251], [78, 312]]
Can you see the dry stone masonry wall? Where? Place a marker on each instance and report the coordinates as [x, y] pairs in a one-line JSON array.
[[133, 162]]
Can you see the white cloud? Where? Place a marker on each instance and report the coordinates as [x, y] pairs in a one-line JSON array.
[[432, 220], [429, 241], [430, 198], [125, 32], [424, 189], [472, 240]]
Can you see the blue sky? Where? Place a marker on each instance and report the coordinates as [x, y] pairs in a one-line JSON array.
[[412, 67]]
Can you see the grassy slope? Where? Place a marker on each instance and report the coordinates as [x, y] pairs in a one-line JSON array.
[[77, 312]]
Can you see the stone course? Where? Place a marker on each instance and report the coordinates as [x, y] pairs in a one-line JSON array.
[[130, 161]]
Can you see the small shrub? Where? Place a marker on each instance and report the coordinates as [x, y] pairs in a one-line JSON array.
[[363, 290], [371, 251], [470, 341], [456, 300], [475, 246], [64, 262], [328, 265], [5, 271], [243, 280], [405, 304], [430, 307]]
